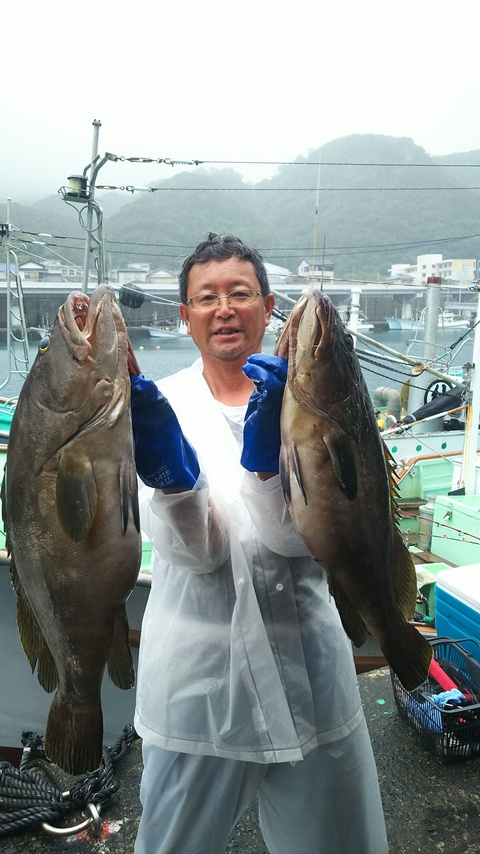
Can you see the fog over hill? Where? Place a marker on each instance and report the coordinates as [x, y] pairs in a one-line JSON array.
[[364, 201]]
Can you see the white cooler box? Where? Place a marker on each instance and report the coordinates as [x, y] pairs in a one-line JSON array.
[[457, 605]]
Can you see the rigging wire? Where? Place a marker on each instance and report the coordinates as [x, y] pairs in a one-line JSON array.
[[131, 189], [400, 245], [332, 252], [196, 162]]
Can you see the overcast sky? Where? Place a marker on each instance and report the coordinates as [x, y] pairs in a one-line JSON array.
[[211, 80]]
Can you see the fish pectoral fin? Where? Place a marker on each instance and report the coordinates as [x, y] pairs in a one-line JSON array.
[[76, 496], [405, 578], [129, 496], [33, 641], [120, 665], [289, 465], [285, 475], [352, 621], [343, 465]]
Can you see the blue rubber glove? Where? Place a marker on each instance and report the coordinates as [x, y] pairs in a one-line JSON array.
[[449, 699], [261, 430], [163, 456]]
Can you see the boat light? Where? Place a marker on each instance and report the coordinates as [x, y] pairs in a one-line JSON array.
[[77, 187]]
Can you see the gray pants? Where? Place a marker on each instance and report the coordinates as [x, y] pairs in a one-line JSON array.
[[327, 804]]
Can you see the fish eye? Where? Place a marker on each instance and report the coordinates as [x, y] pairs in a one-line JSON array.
[[349, 341], [44, 344]]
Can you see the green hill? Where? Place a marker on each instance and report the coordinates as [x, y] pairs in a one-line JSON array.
[[373, 200]]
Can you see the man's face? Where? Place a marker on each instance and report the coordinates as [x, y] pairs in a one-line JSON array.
[[227, 332]]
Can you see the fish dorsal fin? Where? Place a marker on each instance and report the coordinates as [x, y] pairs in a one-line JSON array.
[[405, 578], [33, 642], [389, 461], [343, 465], [76, 496]]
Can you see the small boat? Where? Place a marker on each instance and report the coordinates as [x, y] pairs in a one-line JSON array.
[[179, 331], [446, 320]]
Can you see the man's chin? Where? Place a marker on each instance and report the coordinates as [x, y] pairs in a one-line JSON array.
[[230, 351]]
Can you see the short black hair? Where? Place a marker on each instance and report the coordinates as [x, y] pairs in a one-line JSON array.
[[221, 247]]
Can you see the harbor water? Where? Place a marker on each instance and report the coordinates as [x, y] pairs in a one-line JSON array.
[[160, 357]]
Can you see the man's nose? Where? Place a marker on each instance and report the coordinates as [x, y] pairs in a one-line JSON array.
[[224, 309]]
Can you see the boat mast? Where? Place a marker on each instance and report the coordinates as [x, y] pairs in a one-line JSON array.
[[81, 190], [90, 206]]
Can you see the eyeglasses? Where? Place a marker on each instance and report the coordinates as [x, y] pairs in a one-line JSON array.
[[236, 299]]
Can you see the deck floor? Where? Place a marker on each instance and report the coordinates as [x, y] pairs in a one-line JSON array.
[[429, 807]]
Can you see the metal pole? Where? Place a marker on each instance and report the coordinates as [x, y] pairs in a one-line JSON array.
[[473, 412], [91, 196], [354, 310], [416, 397]]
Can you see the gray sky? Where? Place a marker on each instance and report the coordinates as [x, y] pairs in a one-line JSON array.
[[213, 80]]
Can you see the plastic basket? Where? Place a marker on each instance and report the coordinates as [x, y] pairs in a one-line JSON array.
[[452, 734]]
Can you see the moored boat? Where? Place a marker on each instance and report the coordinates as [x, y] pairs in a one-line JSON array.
[[446, 320]]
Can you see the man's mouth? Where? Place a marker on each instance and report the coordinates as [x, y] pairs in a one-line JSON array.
[[226, 330]]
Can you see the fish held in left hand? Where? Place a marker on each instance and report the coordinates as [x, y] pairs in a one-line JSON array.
[[338, 484], [70, 507]]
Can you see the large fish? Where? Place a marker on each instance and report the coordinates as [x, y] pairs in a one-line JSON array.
[[70, 506], [336, 479]]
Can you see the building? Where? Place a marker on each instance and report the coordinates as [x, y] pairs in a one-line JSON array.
[[457, 271], [316, 270]]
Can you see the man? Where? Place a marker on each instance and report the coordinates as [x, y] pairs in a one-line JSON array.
[[246, 678]]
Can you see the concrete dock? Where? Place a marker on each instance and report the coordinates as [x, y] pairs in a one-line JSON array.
[[430, 807]]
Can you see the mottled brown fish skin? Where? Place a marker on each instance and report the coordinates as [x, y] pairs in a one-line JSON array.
[[70, 507], [338, 485]]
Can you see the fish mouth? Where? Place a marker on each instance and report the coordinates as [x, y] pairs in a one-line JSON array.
[[322, 334], [79, 320]]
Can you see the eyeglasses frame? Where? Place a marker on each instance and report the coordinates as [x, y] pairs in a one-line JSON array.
[[218, 298]]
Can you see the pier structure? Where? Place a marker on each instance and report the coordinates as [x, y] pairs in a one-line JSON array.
[[377, 299]]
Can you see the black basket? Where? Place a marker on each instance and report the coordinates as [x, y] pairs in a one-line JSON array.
[[452, 734]]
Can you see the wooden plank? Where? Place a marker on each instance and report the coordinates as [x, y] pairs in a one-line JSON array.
[[365, 663]]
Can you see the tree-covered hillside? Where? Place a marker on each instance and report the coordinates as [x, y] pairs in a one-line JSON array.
[[364, 202]]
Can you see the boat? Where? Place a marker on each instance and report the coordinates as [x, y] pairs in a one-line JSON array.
[[446, 320], [169, 333], [353, 317]]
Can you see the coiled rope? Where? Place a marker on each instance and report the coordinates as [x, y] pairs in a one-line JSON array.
[[30, 800]]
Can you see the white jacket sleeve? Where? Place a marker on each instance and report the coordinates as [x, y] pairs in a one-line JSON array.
[[266, 505], [185, 528]]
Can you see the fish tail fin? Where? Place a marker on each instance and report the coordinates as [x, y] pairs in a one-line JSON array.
[[120, 665], [74, 735], [409, 656]]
